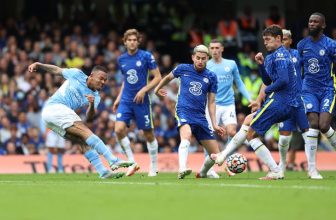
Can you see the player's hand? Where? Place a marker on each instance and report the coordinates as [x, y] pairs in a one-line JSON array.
[[33, 67], [259, 58], [219, 130], [161, 93], [90, 98], [115, 105], [140, 96], [254, 105]]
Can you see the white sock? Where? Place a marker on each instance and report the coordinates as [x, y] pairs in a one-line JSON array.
[[183, 154], [311, 137], [331, 135], [207, 164], [264, 154], [153, 153], [283, 148], [126, 146], [236, 141]]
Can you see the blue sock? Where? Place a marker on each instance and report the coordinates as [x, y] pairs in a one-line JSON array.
[[49, 161], [96, 143], [60, 162], [93, 157]]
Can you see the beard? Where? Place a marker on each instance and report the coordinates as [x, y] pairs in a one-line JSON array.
[[315, 32]]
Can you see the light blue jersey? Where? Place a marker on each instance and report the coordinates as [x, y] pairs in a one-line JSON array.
[[73, 90], [227, 71]]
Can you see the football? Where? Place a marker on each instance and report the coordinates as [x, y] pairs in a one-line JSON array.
[[236, 163]]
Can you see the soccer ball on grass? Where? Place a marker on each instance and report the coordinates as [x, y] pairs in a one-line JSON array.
[[236, 163]]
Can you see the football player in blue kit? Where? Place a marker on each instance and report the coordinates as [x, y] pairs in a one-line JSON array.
[[198, 86], [133, 101], [299, 119], [318, 53], [79, 90], [278, 74]]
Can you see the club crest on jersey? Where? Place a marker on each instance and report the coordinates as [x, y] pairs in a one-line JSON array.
[[322, 52], [227, 69], [138, 63], [206, 80], [294, 59], [196, 88], [313, 65], [132, 76]]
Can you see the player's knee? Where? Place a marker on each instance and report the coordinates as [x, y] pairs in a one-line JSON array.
[[324, 126], [149, 136], [231, 132]]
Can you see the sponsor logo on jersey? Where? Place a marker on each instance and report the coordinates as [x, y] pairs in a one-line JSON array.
[[313, 65], [196, 88], [132, 76]]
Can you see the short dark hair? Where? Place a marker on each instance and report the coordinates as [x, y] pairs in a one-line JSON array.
[[99, 68], [320, 15], [273, 30], [213, 41]]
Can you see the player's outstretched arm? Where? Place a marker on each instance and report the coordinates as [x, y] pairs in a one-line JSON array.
[[46, 67], [161, 92]]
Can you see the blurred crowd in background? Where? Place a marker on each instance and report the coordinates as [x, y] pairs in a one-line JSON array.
[[75, 39]]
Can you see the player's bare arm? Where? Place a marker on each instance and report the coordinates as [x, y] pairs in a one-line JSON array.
[[46, 67], [90, 112], [139, 97], [117, 101], [212, 112], [162, 92]]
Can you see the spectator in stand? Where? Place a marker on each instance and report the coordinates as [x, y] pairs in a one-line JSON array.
[[274, 18], [248, 27]]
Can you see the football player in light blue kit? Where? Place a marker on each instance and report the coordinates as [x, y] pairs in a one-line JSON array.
[[133, 101], [198, 87], [58, 113], [226, 72], [318, 53], [278, 74]]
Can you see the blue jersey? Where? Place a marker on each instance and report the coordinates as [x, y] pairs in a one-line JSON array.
[[317, 58], [275, 62], [135, 70], [73, 90], [227, 71], [298, 67], [194, 88]]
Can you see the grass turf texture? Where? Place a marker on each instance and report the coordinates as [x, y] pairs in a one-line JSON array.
[[85, 197]]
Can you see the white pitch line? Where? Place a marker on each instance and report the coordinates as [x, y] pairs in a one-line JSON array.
[[238, 185]]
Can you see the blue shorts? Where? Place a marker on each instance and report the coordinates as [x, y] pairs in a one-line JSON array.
[[272, 112], [141, 113], [297, 120], [321, 101], [200, 127]]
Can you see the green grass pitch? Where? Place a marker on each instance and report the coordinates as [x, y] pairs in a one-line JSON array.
[[85, 197]]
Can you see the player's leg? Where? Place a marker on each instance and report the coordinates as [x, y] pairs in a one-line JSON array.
[[185, 136], [60, 150], [51, 152], [92, 156], [236, 141], [212, 147], [124, 116], [312, 106], [229, 120], [272, 112], [325, 119], [152, 147], [144, 121], [283, 145]]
